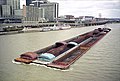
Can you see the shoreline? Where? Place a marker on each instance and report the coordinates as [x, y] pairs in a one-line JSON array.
[[38, 30]]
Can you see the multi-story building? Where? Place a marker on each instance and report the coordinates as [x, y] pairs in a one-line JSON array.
[[37, 3], [32, 14], [41, 12], [51, 11], [10, 11], [0, 11], [38, 10], [6, 10], [10, 6], [15, 4], [41, 15], [2, 2], [28, 2], [18, 13]]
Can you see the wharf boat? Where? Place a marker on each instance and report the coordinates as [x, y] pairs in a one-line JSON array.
[[62, 54]]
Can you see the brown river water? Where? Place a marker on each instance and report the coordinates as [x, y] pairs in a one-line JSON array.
[[100, 63]]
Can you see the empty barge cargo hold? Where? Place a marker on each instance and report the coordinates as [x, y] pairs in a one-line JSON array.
[[63, 54]]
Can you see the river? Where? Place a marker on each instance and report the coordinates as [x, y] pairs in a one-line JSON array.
[[100, 63]]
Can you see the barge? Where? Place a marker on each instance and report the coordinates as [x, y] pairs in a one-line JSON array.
[[62, 54]]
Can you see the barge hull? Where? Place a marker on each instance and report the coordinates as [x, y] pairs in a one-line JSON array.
[[63, 58], [80, 50]]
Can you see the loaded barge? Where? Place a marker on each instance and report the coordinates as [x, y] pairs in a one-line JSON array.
[[62, 54]]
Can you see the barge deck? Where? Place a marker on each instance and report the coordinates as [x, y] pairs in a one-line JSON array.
[[63, 54]]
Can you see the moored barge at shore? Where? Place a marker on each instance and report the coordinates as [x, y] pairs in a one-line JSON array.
[[62, 54]]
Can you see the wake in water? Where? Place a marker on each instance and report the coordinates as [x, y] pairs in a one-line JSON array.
[[42, 66]]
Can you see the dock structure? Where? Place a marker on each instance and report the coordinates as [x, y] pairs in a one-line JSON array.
[[47, 24], [14, 28], [35, 25]]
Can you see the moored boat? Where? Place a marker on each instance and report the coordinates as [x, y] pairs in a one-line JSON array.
[[29, 29], [45, 29], [65, 26], [62, 54], [56, 27]]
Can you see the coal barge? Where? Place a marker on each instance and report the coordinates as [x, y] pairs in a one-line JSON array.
[[62, 54]]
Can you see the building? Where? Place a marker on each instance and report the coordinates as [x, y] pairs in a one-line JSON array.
[[41, 15], [2, 2], [66, 19], [41, 12], [51, 11], [28, 2], [6, 11], [9, 11], [37, 11], [32, 14], [69, 17], [15, 4], [46, 10], [0, 11], [37, 3], [86, 18], [18, 13]]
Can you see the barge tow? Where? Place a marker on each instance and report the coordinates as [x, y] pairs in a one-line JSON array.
[[62, 54]]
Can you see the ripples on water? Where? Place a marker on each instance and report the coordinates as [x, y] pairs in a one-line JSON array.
[[100, 63]]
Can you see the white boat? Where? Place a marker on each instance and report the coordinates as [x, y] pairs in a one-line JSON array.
[[61, 27], [27, 29], [65, 26], [45, 29], [56, 27]]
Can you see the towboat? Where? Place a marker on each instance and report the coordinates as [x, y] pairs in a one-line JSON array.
[[62, 54]]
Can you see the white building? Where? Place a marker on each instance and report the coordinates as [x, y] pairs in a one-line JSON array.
[[33, 14], [51, 11], [86, 18]]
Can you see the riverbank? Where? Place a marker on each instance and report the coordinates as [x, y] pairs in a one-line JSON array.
[[32, 30], [39, 29]]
